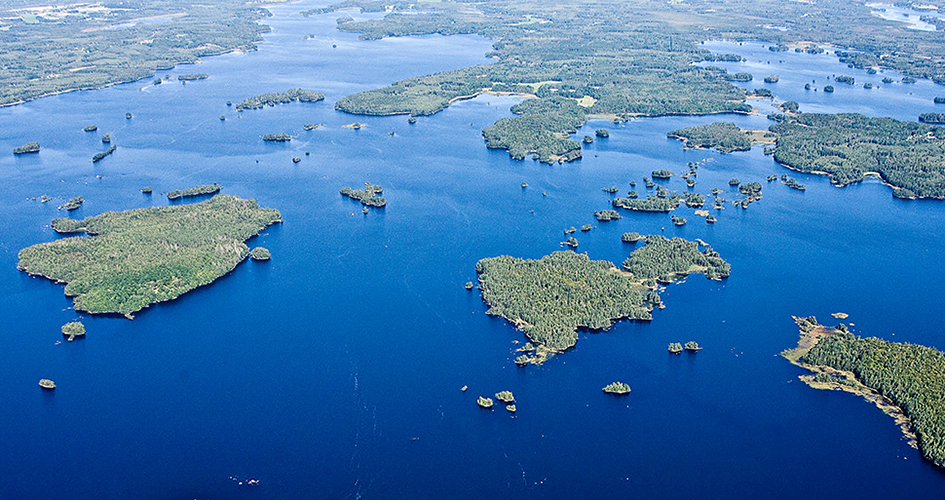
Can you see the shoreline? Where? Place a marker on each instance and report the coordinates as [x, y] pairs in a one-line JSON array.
[[808, 339]]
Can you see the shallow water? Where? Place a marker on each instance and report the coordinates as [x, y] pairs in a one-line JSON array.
[[334, 370]]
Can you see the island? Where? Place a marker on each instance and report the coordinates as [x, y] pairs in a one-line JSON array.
[[291, 95], [311, 126], [147, 190], [675, 348], [100, 156], [550, 298], [661, 174], [136, 258], [194, 191], [905, 381], [107, 138], [469, 285], [281, 137], [650, 204], [72, 204], [90, 128], [505, 397], [47, 384], [260, 254], [692, 346], [602, 133], [617, 388], [631, 237], [484, 402], [724, 137], [607, 215], [31, 147], [192, 77], [511, 408], [368, 197], [72, 330]]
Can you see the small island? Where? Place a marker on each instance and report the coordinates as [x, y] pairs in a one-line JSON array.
[[617, 388], [147, 190], [260, 254], [469, 285], [310, 126], [72, 330], [130, 260], [607, 215], [692, 346], [368, 197], [31, 147], [505, 397], [675, 348], [274, 98], [194, 191], [192, 77], [662, 174], [484, 402], [72, 204], [602, 133], [107, 138], [281, 137], [101, 156], [650, 204], [90, 128], [631, 237], [47, 384], [724, 137]]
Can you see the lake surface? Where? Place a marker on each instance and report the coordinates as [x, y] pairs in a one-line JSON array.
[[334, 371]]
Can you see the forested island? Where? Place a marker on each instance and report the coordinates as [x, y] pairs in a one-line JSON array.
[[550, 298], [369, 196], [194, 191], [724, 137], [272, 99], [31, 147], [139, 257], [101, 156], [280, 137], [193, 77], [904, 380], [53, 48], [909, 156], [650, 204]]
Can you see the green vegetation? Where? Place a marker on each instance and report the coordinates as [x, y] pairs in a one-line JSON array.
[[194, 191], [611, 189], [101, 156], [692, 346], [695, 200], [484, 402], [587, 139], [793, 184], [724, 137], [607, 215], [282, 137], [618, 388], [368, 197], [193, 76], [107, 138], [828, 88], [790, 106], [505, 397], [72, 204], [310, 126], [469, 285], [846, 147], [631, 237], [148, 255], [32, 147], [675, 348], [771, 79], [678, 221], [45, 383], [939, 100], [288, 96], [511, 408], [90, 128], [669, 259], [911, 376], [650, 204], [909, 79], [260, 253], [146, 190], [571, 242], [602, 133], [586, 227], [73, 329], [734, 182]]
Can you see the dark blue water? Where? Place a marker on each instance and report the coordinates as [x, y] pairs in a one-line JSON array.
[[334, 370]]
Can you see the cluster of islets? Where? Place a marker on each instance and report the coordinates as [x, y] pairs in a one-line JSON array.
[[690, 346], [503, 396]]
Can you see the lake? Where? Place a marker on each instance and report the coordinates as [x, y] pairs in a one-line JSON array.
[[334, 370]]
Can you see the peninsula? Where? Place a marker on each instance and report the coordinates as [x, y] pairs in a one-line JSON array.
[[905, 381], [139, 257]]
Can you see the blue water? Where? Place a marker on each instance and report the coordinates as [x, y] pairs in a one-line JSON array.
[[334, 370]]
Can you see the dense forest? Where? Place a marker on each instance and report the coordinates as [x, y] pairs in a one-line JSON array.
[[912, 376], [907, 155], [274, 98], [147, 255], [550, 298]]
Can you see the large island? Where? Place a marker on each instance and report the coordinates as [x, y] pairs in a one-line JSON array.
[[140, 257]]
